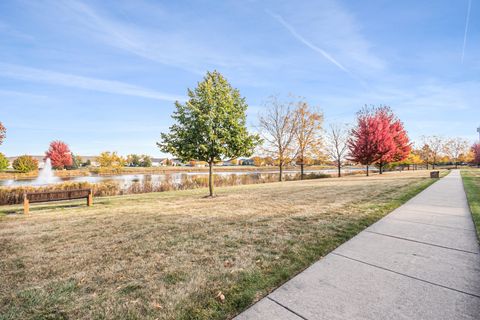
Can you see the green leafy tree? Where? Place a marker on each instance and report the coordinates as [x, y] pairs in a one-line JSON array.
[[3, 162], [210, 126], [133, 160], [76, 162], [146, 161], [25, 164]]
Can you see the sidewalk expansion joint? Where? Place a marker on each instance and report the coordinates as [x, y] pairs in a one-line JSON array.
[[406, 275], [286, 308], [429, 224], [427, 212], [425, 243]]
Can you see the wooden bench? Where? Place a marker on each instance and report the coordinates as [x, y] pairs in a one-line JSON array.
[[48, 196], [435, 174]]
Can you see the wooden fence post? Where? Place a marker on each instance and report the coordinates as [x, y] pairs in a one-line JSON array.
[[26, 204], [90, 198]]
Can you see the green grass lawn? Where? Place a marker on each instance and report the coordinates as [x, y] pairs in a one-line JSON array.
[[471, 181], [168, 255]]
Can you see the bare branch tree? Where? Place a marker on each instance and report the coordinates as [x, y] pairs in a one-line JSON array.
[[278, 127], [454, 147], [336, 145], [435, 143], [308, 139]]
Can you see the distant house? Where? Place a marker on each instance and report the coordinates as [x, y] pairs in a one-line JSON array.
[[247, 162], [231, 162], [195, 163], [177, 162], [90, 159], [228, 163], [159, 162]]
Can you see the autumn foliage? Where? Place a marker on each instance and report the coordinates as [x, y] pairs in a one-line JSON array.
[[476, 153], [25, 164], [379, 138], [59, 154], [3, 133]]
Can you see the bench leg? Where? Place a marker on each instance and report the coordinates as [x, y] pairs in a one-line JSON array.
[[26, 206], [90, 200]]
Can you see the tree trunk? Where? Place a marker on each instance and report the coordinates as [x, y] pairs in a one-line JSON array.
[[210, 178], [339, 167], [280, 176], [456, 165], [301, 171], [427, 165], [367, 170], [381, 168]]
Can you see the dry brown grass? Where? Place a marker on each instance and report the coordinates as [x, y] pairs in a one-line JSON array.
[[166, 255]]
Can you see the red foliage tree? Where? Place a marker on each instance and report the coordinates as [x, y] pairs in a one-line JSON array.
[[395, 145], [3, 132], [476, 153], [379, 137], [59, 154], [364, 142]]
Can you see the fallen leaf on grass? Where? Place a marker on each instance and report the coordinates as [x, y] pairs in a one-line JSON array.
[[157, 305], [220, 297]]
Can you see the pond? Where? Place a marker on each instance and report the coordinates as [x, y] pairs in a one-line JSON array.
[[126, 180]]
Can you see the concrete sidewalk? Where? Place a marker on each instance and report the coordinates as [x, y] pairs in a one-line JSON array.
[[422, 261]]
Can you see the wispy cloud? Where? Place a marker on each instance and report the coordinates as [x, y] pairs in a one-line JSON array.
[[157, 42], [81, 82], [466, 29], [9, 31], [16, 93]]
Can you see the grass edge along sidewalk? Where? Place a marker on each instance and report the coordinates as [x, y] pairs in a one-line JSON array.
[[471, 183], [246, 291]]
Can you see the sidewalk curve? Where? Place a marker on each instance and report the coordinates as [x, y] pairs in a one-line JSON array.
[[422, 261]]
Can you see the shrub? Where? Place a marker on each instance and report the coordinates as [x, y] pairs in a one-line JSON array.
[[25, 164], [314, 175], [3, 162]]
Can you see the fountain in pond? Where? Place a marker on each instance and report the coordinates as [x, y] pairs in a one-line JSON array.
[[46, 175]]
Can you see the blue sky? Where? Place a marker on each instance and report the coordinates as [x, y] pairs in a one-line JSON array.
[[103, 75]]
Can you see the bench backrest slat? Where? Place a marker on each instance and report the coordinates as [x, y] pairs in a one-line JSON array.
[[59, 195]]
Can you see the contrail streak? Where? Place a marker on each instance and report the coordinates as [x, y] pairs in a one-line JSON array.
[[307, 43], [466, 29]]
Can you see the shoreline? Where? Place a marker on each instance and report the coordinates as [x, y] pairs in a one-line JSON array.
[[151, 170]]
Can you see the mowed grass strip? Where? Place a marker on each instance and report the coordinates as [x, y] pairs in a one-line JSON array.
[[471, 182], [168, 255]]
